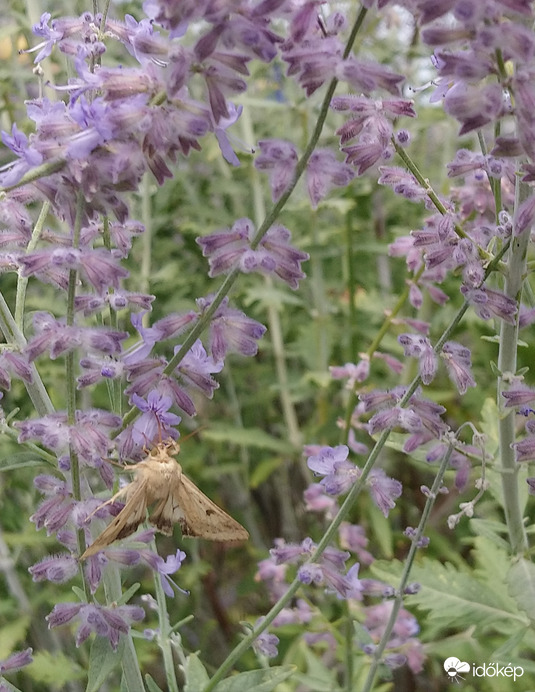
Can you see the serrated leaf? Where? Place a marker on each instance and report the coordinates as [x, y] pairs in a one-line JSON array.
[[247, 437], [258, 680], [195, 674], [53, 671], [102, 660], [521, 586], [456, 599], [490, 530], [507, 649]]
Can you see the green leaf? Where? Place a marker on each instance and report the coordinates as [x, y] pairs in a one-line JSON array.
[[257, 680], [128, 594], [263, 470], [151, 685], [521, 586], [247, 437], [12, 633], [53, 670], [102, 660], [195, 674], [318, 676]]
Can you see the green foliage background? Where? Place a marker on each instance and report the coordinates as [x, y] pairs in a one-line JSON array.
[[247, 455]]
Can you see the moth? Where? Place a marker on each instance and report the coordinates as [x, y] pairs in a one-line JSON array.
[[159, 481]]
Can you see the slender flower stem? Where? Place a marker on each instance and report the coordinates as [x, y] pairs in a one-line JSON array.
[[409, 560], [164, 641], [345, 508], [269, 220], [507, 367], [70, 380], [413, 168], [392, 314], [22, 281]]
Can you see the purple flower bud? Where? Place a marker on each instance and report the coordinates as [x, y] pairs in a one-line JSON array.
[[58, 569], [16, 661], [266, 644]]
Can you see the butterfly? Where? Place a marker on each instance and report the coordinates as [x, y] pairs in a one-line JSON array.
[[158, 480]]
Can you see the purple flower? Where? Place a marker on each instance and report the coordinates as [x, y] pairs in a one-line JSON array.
[[316, 500], [313, 61], [105, 621], [420, 347], [487, 303], [292, 552], [458, 363], [274, 255], [384, 490], [354, 373], [324, 462], [196, 368], [58, 338], [169, 566], [525, 449], [231, 331], [474, 106], [279, 158], [13, 363], [353, 538], [323, 173], [265, 644], [518, 396], [156, 421], [28, 157]]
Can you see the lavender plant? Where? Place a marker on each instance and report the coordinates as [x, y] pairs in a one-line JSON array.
[[394, 422]]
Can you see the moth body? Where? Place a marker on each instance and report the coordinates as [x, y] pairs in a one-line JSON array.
[[159, 482]]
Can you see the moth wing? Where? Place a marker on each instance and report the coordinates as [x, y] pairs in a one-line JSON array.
[[199, 517], [125, 523], [167, 513]]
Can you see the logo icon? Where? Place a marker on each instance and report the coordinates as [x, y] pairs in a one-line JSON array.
[[454, 668]]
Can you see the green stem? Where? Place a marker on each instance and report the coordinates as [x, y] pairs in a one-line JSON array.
[[42, 171], [130, 665], [22, 281], [70, 380], [507, 362], [36, 389]]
